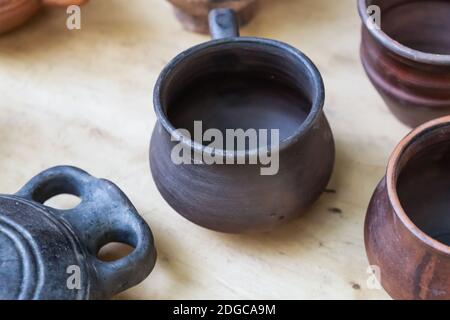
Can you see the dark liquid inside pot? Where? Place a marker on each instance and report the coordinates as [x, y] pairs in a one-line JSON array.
[[240, 101], [424, 191], [423, 26]]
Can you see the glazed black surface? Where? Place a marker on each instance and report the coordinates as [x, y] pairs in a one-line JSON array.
[[234, 100], [422, 25], [424, 190]]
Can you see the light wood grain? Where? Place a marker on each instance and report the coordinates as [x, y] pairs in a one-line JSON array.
[[84, 98]]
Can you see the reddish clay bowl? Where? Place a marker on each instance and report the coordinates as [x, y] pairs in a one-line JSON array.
[[193, 14], [408, 58], [14, 13], [407, 227]]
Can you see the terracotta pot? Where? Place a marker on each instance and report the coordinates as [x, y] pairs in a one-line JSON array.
[[250, 83], [46, 253], [407, 228], [14, 13], [408, 59], [193, 14]]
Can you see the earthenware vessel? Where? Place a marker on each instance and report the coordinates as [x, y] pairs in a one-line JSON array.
[[408, 58], [193, 14], [46, 253], [14, 13], [244, 83], [407, 227]]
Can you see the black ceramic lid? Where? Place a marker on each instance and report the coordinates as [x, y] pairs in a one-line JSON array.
[[36, 253]]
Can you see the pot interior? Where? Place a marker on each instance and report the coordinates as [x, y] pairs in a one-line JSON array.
[[421, 25], [423, 183], [237, 85]]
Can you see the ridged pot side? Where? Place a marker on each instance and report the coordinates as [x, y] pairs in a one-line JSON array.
[[236, 198], [415, 92], [409, 268]]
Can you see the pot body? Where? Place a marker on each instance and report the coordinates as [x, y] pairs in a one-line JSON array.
[[14, 13], [52, 254], [409, 268], [414, 91], [193, 14], [237, 198]]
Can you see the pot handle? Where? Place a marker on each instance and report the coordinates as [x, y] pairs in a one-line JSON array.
[[104, 215], [63, 3], [223, 23]]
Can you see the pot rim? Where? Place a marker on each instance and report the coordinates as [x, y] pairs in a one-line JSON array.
[[392, 177], [317, 101], [395, 46]]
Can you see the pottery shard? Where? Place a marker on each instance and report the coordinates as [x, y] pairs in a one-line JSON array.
[[193, 14]]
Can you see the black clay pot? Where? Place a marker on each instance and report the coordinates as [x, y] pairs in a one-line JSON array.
[[47, 253], [244, 83]]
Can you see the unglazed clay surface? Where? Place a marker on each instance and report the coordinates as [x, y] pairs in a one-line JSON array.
[[60, 87], [423, 25], [424, 191], [408, 58], [407, 225], [14, 13], [193, 14]]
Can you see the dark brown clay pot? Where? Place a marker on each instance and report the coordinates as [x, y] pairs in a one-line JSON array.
[[14, 13], [407, 227], [408, 59], [242, 82], [193, 14]]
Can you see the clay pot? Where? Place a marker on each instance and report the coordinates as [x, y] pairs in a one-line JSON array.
[[407, 228], [408, 59], [14, 13], [248, 83], [47, 253], [193, 14]]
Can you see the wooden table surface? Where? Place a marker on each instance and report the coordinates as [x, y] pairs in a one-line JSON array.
[[84, 98]]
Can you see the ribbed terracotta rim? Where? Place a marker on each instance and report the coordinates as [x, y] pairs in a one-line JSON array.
[[391, 181], [396, 47]]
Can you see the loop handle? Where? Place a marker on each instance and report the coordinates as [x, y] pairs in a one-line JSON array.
[[104, 215], [223, 23]]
